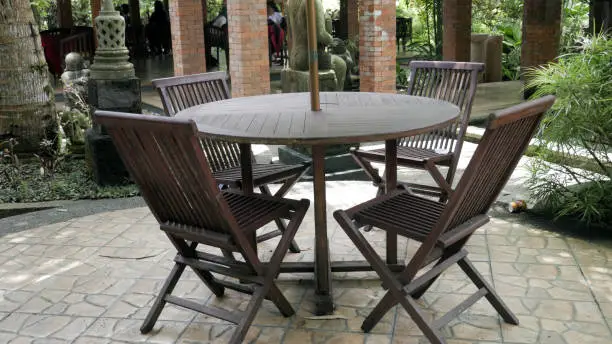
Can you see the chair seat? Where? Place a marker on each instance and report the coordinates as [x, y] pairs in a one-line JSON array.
[[262, 174], [402, 212], [408, 155], [254, 211]]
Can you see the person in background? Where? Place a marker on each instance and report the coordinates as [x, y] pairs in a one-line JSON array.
[[218, 22], [124, 10], [276, 30], [158, 30]]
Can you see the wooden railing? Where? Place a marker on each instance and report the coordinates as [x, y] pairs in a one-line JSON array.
[[58, 43]]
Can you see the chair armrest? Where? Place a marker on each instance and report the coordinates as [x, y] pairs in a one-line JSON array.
[[463, 230]]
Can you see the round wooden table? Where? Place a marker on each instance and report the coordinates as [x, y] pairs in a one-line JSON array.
[[345, 117]]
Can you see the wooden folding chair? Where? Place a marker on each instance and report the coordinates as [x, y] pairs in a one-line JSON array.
[[166, 160], [444, 228], [179, 93], [451, 81]]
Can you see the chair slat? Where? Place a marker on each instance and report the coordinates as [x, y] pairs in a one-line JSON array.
[[443, 236]]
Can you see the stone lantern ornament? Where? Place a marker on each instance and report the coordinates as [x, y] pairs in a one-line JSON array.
[[111, 59], [114, 87]]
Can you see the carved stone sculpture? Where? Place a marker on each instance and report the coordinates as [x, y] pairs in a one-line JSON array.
[[298, 54], [338, 48], [75, 117], [111, 59], [75, 79]]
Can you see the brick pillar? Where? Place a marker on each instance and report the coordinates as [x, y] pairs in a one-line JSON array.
[[248, 41], [95, 11], [541, 32], [377, 50], [64, 13], [352, 9], [187, 27], [457, 22]]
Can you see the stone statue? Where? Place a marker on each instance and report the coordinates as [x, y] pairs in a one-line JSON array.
[[75, 79], [75, 118], [75, 124], [298, 55], [338, 48]]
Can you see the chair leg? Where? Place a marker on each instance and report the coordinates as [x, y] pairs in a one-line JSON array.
[[445, 188], [189, 250], [379, 192], [396, 292], [492, 296], [269, 288], [160, 302], [368, 169], [280, 223], [372, 173]]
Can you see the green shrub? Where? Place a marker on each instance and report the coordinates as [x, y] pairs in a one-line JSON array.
[[580, 124], [70, 181]]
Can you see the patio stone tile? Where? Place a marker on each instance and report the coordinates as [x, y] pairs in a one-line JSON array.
[[11, 300], [536, 242], [93, 280], [209, 333], [557, 310], [469, 326], [478, 253], [600, 282], [128, 330], [592, 253], [93, 340], [42, 301], [77, 304], [141, 235], [501, 253], [534, 330], [348, 319], [423, 340], [517, 228], [378, 339], [30, 340], [45, 326], [218, 333], [12, 250], [542, 288], [321, 337], [549, 272]]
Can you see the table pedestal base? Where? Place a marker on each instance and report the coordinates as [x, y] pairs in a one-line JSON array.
[[324, 304]]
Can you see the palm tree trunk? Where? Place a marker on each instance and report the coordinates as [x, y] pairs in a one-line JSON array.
[[27, 99]]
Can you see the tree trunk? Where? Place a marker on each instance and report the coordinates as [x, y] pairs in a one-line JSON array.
[[27, 99], [600, 16]]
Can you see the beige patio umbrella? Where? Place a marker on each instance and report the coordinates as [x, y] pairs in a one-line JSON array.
[[313, 55]]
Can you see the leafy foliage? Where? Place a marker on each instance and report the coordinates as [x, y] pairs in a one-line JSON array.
[[580, 124], [70, 181]]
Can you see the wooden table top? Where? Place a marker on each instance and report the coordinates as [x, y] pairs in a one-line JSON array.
[[345, 117]]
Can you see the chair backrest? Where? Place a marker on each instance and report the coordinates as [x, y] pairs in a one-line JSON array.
[[182, 92], [454, 82], [165, 159], [507, 136]]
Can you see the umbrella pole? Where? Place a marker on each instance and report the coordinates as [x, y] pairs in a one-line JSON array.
[[313, 56]]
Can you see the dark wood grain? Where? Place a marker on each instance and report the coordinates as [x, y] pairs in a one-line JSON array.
[[444, 228], [346, 117], [166, 160], [182, 92]]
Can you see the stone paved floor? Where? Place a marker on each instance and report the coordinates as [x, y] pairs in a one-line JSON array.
[[93, 279]]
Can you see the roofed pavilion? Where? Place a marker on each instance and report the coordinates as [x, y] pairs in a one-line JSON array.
[[373, 20]]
